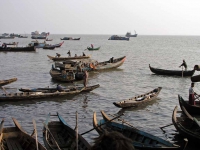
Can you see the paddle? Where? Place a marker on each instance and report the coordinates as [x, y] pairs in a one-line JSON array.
[[51, 135], [76, 130], [102, 124], [182, 71], [35, 128]]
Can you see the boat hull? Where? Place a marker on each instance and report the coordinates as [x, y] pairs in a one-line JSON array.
[[18, 49]]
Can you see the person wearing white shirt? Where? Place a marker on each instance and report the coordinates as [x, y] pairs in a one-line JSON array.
[[191, 95]]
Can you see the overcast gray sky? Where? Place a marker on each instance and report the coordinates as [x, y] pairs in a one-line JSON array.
[[147, 17]]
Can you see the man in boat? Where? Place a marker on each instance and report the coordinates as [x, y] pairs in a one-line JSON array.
[[69, 53], [59, 88], [84, 54], [192, 94], [79, 68], [184, 65], [112, 140], [111, 60], [85, 78], [57, 55], [92, 46]]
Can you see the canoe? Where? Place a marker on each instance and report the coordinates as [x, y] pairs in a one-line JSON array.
[[187, 127], [49, 47], [171, 72], [92, 49], [139, 100], [15, 138], [38, 95], [67, 58], [68, 77], [58, 45], [18, 49], [192, 109], [195, 78], [70, 38], [4, 82], [57, 134], [141, 140], [46, 90]]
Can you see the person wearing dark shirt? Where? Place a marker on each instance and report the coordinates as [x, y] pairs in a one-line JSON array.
[[69, 53], [184, 64]]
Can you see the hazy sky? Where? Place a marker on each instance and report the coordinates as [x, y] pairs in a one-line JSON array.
[[147, 17]]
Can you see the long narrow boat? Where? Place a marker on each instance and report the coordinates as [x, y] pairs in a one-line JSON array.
[[66, 77], [92, 49], [5, 82], [195, 78], [18, 49], [141, 140], [58, 45], [192, 109], [67, 58], [51, 47], [188, 127], [59, 135], [37, 95], [15, 138], [87, 89], [139, 100], [172, 72]]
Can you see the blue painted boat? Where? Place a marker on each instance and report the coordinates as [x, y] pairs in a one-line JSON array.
[[141, 140], [59, 135]]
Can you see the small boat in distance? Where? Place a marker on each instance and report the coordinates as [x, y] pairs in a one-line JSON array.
[[116, 37], [128, 34], [172, 72], [70, 38], [92, 48]]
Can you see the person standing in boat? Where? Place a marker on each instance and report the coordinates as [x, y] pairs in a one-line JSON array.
[[184, 65], [84, 54], [192, 94], [85, 78], [69, 53]]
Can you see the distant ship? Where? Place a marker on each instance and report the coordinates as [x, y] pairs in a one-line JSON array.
[[37, 35], [128, 34], [116, 37]]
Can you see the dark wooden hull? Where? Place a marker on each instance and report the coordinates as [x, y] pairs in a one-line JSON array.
[[195, 78], [92, 49], [18, 49], [5, 82], [192, 109], [70, 39], [139, 100], [15, 138], [141, 140], [186, 127], [37, 95], [46, 90], [67, 58], [171, 72], [49, 47], [63, 134]]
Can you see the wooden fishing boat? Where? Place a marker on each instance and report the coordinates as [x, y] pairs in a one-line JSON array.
[[195, 78], [49, 39], [47, 90], [18, 49], [4, 82], [92, 49], [67, 58], [139, 100], [15, 138], [38, 95], [49, 47], [58, 45], [11, 43], [141, 140], [187, 126], [66, 77], [172, 72], [192, 109], [59, 135], [70, 38], [21, 36]]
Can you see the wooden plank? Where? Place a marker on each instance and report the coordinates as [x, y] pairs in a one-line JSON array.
[[13, 144]]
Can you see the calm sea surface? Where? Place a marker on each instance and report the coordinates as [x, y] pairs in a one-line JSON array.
[[130, 79]]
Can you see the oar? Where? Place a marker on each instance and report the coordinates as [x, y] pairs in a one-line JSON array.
[[182, 71], [102, 124], [51, 135], [124, 121], [35, 128], [76, 130]]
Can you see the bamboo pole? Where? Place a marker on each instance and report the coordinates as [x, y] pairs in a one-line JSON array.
[[76, 130], [35, 128]]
